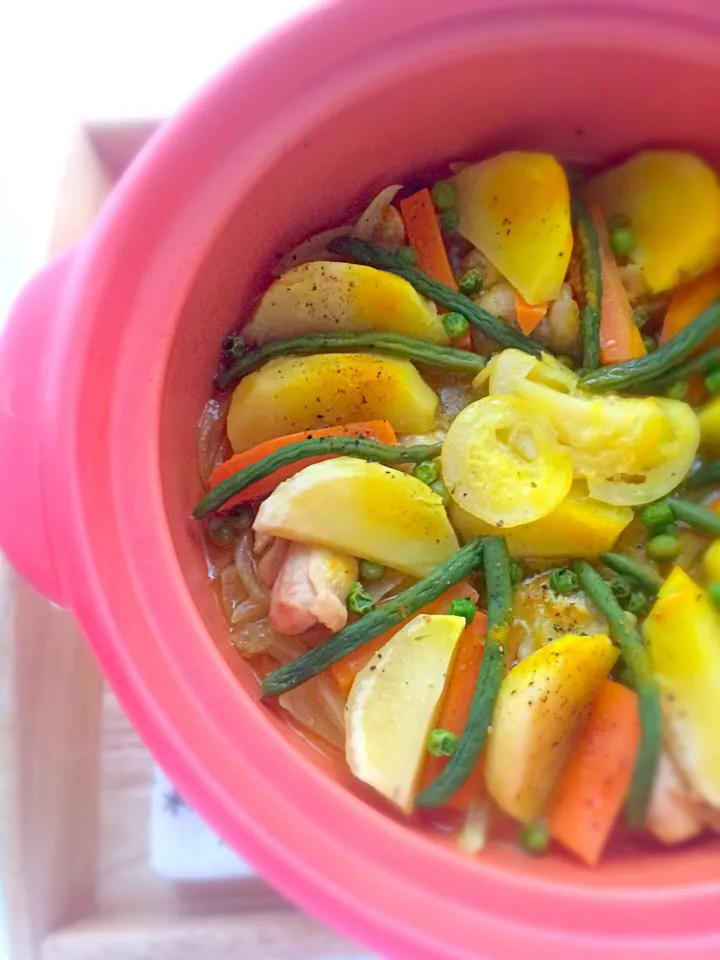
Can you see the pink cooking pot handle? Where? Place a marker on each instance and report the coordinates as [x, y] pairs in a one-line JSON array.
[[24, 531]]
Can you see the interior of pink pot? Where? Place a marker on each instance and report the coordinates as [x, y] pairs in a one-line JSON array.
[[464, 95]]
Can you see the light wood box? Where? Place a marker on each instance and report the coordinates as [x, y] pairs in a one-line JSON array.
[[75, 779]]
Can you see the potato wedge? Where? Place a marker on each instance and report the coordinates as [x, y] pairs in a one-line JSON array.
[[673, 201], [393, 704], [324, 390], [515, 208], [540, 710], [327, 297], [364, 509]]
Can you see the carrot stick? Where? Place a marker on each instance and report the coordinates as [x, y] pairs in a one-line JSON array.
[[372, 429], [423, 233], [688, 302], [528, 315], [456, 707], [620, 338], [596, 779], [347, 669]]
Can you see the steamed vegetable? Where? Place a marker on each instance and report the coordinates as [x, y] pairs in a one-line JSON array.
[[393, 705], [630, 451], [687, 303], [515, 208], [299, 393], [456, 708], [502, 462], [682, 634], [592, 285], [528, 315], [709, 420], [445, 296], [346, 669], [246, 480], [673, 202], [292, 674], [648, 581], [620, 338], [594, 784], [392, 344], [694, 515], [424, 236], [540, 711], [327, 297], [638, 666], [460, 767], [578, 527], [634, 373], [366, 509], [371, 430]]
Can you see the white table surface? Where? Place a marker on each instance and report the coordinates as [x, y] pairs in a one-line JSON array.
[[64, 61]]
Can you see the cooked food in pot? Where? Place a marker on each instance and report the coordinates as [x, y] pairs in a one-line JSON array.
[[462, 501]]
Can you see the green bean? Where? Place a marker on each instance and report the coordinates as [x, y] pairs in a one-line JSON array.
[[624, 376], [493, 327], [496, 564], [703, 364], [387, 453], [459, 566], [592, 283], [638, 665], [704, 476], [648, 581], [695, 516], [447, 358]]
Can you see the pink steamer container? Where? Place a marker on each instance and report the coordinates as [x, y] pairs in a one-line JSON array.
[[107, 360]]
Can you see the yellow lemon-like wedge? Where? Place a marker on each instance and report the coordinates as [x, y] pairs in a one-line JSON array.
[[393, 705]]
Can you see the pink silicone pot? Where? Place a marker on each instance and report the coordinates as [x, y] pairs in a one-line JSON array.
[[107, 360]]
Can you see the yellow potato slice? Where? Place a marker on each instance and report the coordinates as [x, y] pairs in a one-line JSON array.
[[302, 393], [394, 702], [364, 509], [515, 208]]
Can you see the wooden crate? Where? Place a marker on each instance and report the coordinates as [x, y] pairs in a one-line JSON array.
[[74, 797]]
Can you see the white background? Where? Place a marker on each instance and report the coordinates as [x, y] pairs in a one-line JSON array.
[[63, 60]]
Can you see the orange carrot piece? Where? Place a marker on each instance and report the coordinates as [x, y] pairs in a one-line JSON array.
[[528, 315], [596, 780], [687, 302], [424, 236], [374, 429], [456, 707], [347, 669], [620, 338]]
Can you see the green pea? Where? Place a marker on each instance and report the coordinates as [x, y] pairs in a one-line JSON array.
[[371, 571], [448, 221], [444, 194], [623, 241], [650, 343], [426, 471], [712, 381], [408, 255], [563, 581], [441, 743], [471, 283], [462, 607], [638, 604], [641, 318], [220, 531], [622, 590], [359, 600], [663, 548], [455, 325], [657, 516], [535, 837]]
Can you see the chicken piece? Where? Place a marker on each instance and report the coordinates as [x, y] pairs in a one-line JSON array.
[[390, 229], [559, 331], [634, 282], [672, 815], [311, 587], [273, 550], [499, 300]]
